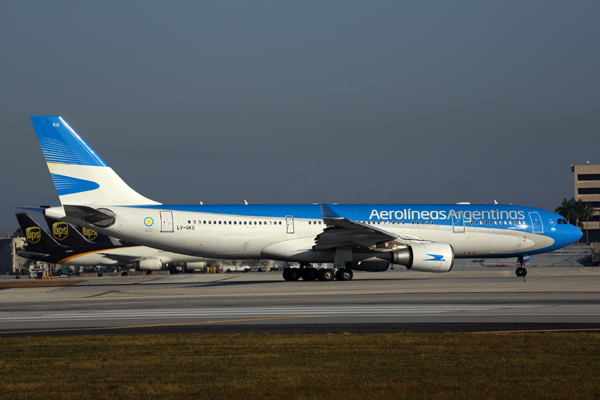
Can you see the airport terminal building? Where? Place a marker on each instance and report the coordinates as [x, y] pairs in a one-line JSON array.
[[587, 189]]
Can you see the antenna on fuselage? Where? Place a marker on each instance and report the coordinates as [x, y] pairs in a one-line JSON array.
[[245, 202], [495, 202]]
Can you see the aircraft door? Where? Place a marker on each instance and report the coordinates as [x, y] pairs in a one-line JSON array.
[[289, 222], [458, 224], [536, 223], [166, 221]]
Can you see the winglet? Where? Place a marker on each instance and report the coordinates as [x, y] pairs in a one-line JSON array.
[[328, 212]]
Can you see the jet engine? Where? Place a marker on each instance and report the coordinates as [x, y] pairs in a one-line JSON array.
[[427, 257], [150, 264]]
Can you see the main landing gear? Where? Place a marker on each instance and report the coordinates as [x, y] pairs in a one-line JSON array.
[[521, 271], [308, 273]]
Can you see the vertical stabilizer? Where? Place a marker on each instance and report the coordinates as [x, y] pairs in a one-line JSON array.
[[80, 176]]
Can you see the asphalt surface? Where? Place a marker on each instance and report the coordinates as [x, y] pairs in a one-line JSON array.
[[463, 300]]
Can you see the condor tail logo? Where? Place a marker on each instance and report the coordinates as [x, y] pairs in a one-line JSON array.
[[89, 234], [33, 234], [60, 230]]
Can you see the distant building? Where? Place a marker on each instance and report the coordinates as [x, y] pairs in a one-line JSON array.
[[10, 262], [587, 189]]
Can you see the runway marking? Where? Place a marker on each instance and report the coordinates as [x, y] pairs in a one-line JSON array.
[[158, 325], [268, 312]]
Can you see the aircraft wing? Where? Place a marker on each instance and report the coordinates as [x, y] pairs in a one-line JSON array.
[[120, 258], [341, 231]]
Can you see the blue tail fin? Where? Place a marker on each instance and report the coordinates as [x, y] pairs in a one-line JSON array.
[[80, 176]]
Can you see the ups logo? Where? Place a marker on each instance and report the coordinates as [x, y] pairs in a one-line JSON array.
[[60, 230], [33, 234], [89, 234]]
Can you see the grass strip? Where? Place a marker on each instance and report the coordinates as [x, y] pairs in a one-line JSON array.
[[303, 366], [38, 283]]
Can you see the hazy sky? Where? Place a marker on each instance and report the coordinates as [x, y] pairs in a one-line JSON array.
[[308, 101]]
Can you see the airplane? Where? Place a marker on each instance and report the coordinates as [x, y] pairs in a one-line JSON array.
[[41, 246], [354, 237]]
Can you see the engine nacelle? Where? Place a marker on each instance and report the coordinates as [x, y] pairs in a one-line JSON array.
[[372, 266], [427, 257], [150, 264]]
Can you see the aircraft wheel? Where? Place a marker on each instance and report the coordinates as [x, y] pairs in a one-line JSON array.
[[309, 274], [344, 274], [521, 272], [326, 275], [291, 274]]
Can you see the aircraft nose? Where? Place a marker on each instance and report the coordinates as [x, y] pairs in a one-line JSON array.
[[573, 234]]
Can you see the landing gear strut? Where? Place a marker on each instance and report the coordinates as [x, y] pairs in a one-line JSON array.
[[521, 271]]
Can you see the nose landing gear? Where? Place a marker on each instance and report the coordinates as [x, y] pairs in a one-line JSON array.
[[521, 271]]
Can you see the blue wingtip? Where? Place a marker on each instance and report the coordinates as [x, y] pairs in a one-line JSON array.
[[61, 144], [328, 212]]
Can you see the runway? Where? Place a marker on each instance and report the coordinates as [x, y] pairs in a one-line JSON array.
[[465, 299]]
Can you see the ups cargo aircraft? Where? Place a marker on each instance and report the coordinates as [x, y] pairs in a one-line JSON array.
[[66, 246], [367, 237]]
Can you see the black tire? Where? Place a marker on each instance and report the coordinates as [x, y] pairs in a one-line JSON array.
[[310, 274], [344, 274], [294, 274], [326, 275], [521, 272]]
